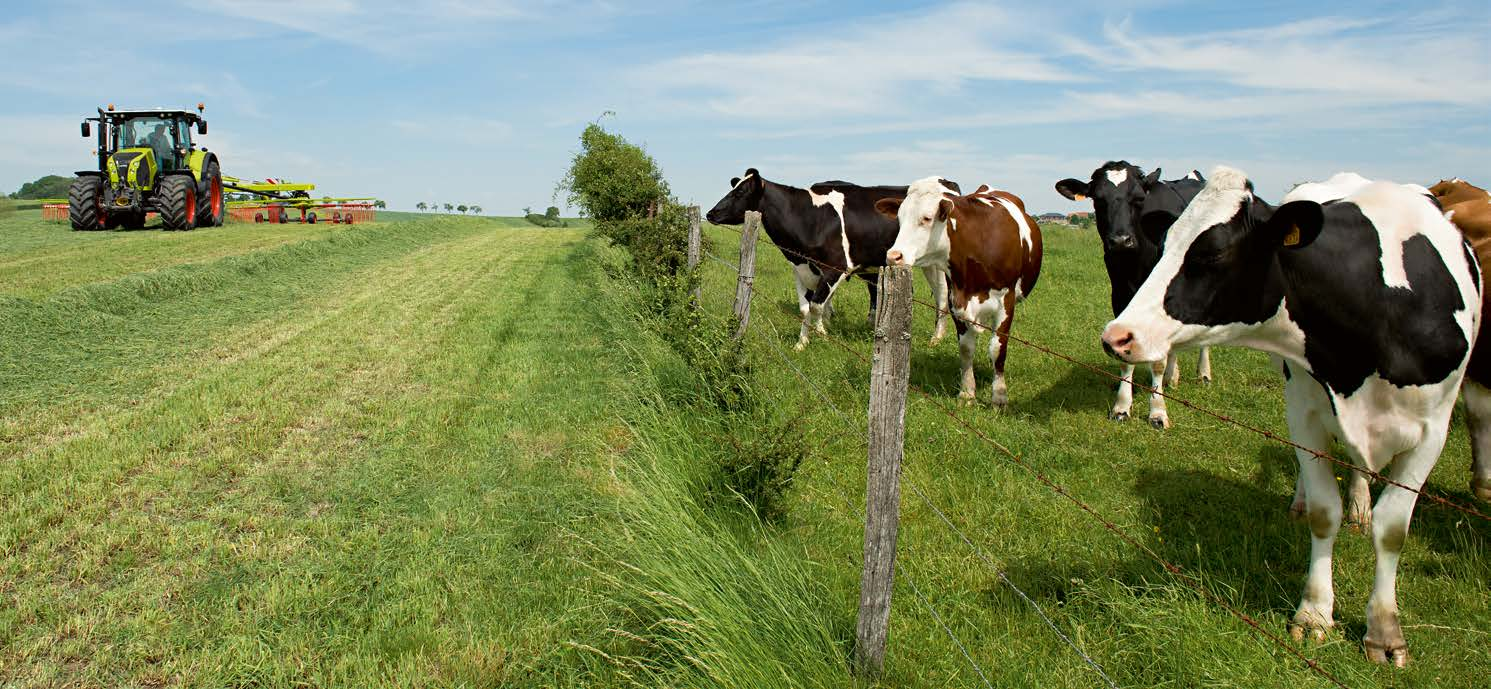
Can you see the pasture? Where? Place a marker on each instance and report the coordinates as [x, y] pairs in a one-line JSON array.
[[440, 451]]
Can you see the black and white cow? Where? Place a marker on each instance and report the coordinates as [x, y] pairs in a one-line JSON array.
[[1133, 211], [1371, 303], [828, 233]]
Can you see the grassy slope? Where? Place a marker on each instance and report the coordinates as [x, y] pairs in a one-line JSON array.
[[355, 460], [1206, 496]]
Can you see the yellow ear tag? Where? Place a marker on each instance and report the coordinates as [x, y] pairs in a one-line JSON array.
[[1079, 197], [1292, 238]]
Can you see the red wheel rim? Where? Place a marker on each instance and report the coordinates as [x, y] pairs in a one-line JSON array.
[[191, 206], [217, 197]]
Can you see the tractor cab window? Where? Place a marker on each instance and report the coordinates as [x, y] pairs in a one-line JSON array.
[[153, 133], [184, 135]]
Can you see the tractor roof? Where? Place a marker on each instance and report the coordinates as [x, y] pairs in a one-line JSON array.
[[187, 115]]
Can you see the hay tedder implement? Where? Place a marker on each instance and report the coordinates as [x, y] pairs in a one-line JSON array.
[[149, 165]]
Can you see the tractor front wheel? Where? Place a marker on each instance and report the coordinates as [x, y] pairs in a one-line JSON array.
[[210, 197], [176, 198], [85, 203]]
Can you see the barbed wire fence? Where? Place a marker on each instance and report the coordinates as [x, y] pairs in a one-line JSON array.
[[892, 322]]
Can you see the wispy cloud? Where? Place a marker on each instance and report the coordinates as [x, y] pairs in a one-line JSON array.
[[886, 64]]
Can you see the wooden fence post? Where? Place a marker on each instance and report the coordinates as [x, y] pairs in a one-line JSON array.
[[889, 373], [747, 272], [694, 247]]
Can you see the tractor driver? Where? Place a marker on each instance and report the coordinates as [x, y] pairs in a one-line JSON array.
[[160, 141]]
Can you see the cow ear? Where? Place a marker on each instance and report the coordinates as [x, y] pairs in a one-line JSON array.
[[944, 209], [1073, 189], [951, 185], [1151, 178], [1296, 224], [751, 172], [1196, 175], [734, 181], [889, 206]]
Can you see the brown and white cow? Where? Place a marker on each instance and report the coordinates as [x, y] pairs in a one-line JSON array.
[[989, 247], [1469, 208]]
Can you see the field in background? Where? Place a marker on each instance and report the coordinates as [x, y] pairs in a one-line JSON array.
[[438, 451]]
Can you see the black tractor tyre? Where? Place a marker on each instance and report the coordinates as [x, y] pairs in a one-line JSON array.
[[85, 203], [282, 217], [176, 199], [210, 207], [310, 218]]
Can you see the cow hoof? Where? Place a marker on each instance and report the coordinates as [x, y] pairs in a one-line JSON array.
[[1311, 623], [1159, 421], [1172, 380], [1396, 654], [801, 345], [1000, 401], [1481, 488], [1206, 379], [936, 339], [1118, 415]]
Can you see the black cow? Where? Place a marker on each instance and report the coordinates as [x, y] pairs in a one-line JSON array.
[[1370, 300], [1133, 212], [828, 233]]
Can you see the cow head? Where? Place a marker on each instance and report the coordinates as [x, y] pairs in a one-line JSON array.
[[1117, 190], [925, 215], [745, 195], [1164, 203], [1210, 284]]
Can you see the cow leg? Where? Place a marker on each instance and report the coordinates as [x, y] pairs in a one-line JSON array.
[[1172, 371], [1315, 615], [874, 293], [937, 280], [1478, 422], [1120, 411], [1384, 642], [1158, 416], [1203, 365], [807, 283], [826, 289], [1358, 502], [967, 340], [999, 346]]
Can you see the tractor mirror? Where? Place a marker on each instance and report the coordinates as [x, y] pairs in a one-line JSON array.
[[87, 130], [202, 127]]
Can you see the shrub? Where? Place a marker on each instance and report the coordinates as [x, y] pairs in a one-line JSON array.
[[756, 462], [611, 179]]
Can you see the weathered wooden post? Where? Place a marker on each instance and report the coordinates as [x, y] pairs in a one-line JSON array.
[[747, 272], [694, 247], [889, 373]]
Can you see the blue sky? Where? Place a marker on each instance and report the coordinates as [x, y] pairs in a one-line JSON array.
[[483, 102]]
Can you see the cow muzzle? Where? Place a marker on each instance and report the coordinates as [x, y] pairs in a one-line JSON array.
[[1119, 342], [895, 258]]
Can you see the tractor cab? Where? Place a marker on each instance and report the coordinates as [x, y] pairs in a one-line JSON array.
[[147, 162]]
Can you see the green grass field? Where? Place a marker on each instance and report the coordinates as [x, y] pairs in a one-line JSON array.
[[439, 451]]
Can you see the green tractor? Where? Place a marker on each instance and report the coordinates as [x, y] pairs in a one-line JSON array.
[[147, 162]]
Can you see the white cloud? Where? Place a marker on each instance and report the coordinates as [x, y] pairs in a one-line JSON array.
[[888, 64], [1361, 60]]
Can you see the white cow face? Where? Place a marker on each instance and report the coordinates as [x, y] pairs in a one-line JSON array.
[[1210, 286], [925, 217]]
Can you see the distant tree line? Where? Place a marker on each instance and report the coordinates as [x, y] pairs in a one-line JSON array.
[[550, 218], [461, 208], [48, 187]]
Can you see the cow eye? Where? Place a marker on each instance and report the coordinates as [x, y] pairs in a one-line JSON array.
[[927, 219]]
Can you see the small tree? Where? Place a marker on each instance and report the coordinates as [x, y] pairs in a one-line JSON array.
[[527, 210], [611, 179], [449, 208], [462, 208], [380, 204], [476, 210], [552, 213], [421, 205]]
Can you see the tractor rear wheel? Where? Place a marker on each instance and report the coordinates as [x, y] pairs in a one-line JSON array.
[[85, 203], [176, 198], [210, 196]]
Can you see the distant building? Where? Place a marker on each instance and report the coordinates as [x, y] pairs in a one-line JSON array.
[[1051, 217]]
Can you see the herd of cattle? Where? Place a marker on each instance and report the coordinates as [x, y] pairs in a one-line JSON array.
[[1367, 295]]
